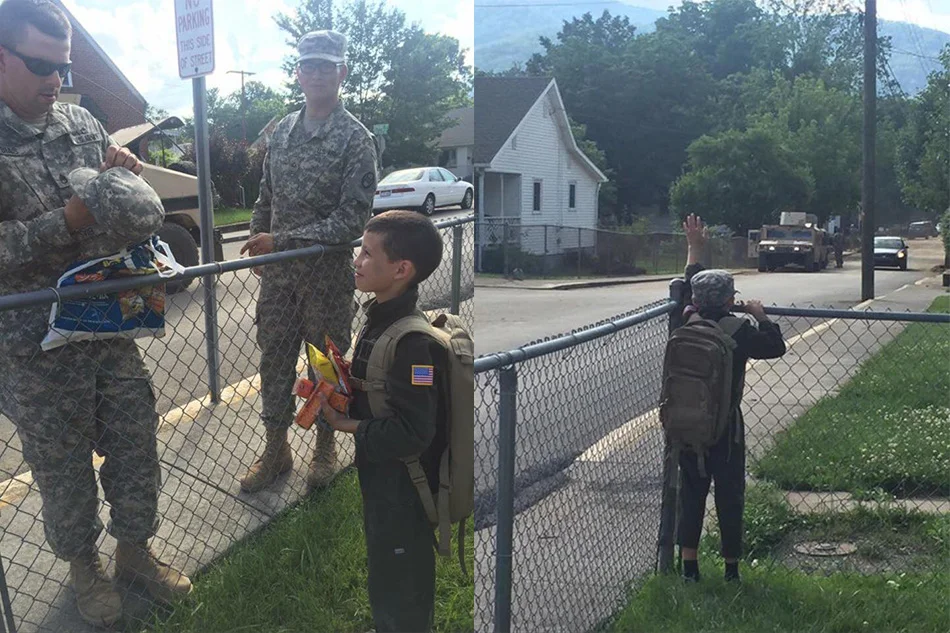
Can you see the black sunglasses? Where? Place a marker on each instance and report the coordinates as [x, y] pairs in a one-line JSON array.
[[41, 67]]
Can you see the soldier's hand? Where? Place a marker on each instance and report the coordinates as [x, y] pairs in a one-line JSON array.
[[695, 231], [260, 244], [77, 215], [121, 157], [755, 308]]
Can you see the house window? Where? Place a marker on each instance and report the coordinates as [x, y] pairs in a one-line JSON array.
[[514, 142], [572, 197], [536, 201]]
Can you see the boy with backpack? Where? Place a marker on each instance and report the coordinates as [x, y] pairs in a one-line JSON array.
[[412, 417], [708, 354]]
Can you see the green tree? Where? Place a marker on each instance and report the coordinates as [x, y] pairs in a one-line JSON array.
[[732, 36], [742, 180], [427, 77], [923, 162], [643, 100]]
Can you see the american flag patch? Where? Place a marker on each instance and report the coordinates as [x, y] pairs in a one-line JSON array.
[[422, 375]]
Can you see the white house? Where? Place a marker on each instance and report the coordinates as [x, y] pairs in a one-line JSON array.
[[457, 143], [528, 167]]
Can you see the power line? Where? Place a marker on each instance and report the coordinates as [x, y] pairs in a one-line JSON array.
[[912, 54], [546, 4]]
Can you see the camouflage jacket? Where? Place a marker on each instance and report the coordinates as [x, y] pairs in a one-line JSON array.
[[35, 246], [317, 188]]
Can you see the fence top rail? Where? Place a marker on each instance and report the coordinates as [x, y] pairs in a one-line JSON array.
[[534, 350], [497, 360], [860, 315], [49, 296]]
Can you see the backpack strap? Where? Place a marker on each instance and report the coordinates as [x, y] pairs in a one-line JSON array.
[[381, 359]]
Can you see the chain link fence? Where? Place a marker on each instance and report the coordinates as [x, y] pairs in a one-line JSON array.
[[97, 395], [848, 449], [540, 250]]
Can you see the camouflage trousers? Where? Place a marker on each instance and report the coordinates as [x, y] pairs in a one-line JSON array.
[[70, 401], [299, 301]]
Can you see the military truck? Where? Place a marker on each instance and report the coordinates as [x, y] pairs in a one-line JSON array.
[[177, 186], [796, 240]]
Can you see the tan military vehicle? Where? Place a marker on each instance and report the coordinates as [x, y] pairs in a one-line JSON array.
[[796, 240], [177, 186]]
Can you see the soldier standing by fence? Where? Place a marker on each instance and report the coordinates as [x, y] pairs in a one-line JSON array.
[[318, 187], [86, 395]]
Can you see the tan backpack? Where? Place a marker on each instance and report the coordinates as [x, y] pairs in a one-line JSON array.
[[455, 501]]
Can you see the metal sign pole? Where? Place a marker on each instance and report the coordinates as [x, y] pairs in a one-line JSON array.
[[205, 206]]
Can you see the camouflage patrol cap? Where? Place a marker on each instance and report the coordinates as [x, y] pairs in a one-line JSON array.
[[328, 45], [121, 202], [712, 288]]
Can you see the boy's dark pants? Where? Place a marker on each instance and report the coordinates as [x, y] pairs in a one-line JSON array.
[[401, 557], [727, 467]]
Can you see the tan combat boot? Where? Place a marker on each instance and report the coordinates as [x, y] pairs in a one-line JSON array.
[[98, 602], [323, 464], [137, 562], [275, 461]]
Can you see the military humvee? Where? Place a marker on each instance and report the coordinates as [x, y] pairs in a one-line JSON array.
[[796, 240]]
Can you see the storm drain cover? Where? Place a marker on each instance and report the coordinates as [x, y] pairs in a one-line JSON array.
[[815, 548]]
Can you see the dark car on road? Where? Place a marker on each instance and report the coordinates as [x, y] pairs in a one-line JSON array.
[[890, 251], [925, 230]]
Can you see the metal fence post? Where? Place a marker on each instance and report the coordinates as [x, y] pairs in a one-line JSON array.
[[207, 234], [6, 623], [504, 533], [504, 243], [668, 507], [578, 252], [456, 269]]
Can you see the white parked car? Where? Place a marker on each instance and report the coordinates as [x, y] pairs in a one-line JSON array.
[[422, 188]]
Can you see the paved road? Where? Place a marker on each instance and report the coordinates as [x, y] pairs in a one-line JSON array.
[[515, 317], [553, 428], [177, 361]]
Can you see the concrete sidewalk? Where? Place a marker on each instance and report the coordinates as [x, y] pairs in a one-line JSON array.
[[580, 548]]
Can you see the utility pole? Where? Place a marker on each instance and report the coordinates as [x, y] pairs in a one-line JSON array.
[[870, 128], [243, 101]]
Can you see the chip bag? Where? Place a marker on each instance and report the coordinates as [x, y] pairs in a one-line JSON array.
[[333, 383], [131, 313]]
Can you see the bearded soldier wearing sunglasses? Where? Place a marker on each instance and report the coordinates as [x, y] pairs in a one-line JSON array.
[[318, 188], [93, 395]]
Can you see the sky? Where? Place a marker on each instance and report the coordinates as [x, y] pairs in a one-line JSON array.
[[139, 37], [934, 14]]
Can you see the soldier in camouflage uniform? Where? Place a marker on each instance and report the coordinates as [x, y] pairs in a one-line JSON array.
[[86, 396], [318, 187]]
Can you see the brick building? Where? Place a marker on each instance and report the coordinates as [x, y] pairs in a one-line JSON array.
[[98, 85]]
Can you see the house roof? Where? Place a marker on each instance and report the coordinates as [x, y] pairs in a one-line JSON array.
[[463, 132], [95, 45], [508, 105], [502, 102]]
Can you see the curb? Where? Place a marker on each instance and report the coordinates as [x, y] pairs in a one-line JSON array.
[[601, 283]]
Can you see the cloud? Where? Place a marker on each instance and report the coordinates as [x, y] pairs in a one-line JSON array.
[[139, 37]]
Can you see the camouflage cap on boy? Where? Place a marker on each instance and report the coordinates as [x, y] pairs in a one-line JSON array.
[[328, 45], [712, 288], [123, 204]]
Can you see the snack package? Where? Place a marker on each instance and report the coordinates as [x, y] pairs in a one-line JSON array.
[[341, 366], [321, 364], [131, 314], [308, 414]]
